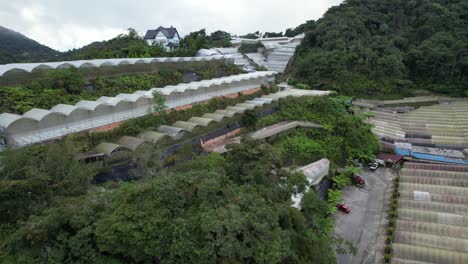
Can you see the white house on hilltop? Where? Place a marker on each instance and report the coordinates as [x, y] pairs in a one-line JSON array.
[[166, 37]]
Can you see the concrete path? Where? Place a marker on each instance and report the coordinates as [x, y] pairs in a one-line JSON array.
[[366, 224]]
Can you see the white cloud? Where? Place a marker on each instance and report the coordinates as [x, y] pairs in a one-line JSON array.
[[65, 25]]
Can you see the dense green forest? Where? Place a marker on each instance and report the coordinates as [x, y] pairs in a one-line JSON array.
[[368, 48], [67, 86], [15, 47], [214, 209]]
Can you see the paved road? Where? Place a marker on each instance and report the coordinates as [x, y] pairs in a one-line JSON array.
[[366, 224]]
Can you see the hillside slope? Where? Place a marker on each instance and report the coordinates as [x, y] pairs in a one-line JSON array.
[[369, 48], [15, 47]]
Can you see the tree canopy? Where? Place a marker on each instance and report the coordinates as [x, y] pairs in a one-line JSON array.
[[367, 48]]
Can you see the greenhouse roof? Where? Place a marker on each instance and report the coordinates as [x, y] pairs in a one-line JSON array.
[[131, 142], [108, 148], [315, 172], [187, 126], [30, 67], [202, 121], [442, 125], [281, 127], [171, 131], [152, 136], [432, 222]]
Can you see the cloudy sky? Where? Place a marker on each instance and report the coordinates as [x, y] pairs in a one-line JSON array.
[[65, 24]]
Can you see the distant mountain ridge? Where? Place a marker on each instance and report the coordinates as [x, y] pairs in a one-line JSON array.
[[16, 47]]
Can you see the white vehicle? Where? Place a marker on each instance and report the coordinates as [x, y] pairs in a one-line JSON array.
[[373, 165]]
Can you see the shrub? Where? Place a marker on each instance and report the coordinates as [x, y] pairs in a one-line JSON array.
[[302, 86], [389, 240], [390, 231], [388, 249], [391, 222], [387, 258]]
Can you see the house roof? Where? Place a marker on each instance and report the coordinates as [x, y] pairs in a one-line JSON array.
[[168, 32]]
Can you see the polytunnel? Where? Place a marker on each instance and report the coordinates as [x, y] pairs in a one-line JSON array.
[[402, 252], [132, 143], [49, 124], [108, 110], [153, 136], [226, 113], [315, 172], [202, 121], [429, 240], [237, 109], [433, 206], [433, 217], [215, 117], [246, 105], [449, 190], [434, 174], [30, 67], [433, 228], [435, 197], [173, 132], [434, 181], [186, 126]]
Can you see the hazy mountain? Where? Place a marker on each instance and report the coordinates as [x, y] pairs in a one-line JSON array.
[[15, 47]]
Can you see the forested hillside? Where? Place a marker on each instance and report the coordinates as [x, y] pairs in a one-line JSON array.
[[368, 48], [15, 47]]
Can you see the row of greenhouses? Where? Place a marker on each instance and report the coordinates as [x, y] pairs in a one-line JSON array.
[[96, 63], [432, 214], [38, 125], [441, 125], [165, 135]]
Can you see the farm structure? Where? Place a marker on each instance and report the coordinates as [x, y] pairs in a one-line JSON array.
[[432, 214]]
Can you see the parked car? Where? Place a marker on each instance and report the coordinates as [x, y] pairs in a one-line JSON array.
[[373, 165], [343, 208], [358, 180]]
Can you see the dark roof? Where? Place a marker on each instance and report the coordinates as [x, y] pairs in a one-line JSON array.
[[394, 158], [168, 32]]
